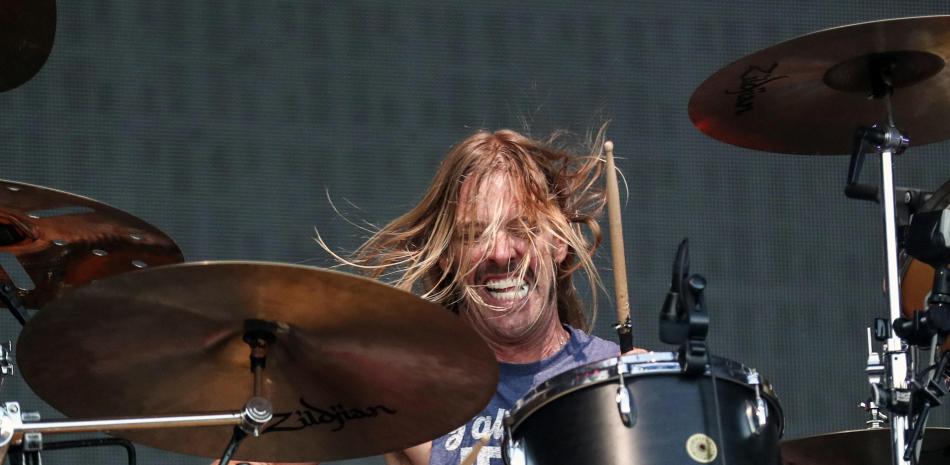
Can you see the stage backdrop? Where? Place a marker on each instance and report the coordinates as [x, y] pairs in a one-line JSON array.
[[232, 126]]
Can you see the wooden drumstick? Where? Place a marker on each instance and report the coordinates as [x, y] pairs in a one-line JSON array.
[[624, 329]]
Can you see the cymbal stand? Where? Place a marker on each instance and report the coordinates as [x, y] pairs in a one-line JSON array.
[[887, 141], [17, 426], [874, 371]]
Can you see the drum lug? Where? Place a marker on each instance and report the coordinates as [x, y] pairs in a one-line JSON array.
[[624, 402], [512, 449], [623, 405], [760, 412]]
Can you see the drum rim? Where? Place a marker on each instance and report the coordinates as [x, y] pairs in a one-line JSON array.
[[604, 371]]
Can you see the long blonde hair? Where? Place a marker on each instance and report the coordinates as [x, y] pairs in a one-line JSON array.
[[558, 189]]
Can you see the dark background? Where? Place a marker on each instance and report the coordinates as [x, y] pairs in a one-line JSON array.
[[228, 124]]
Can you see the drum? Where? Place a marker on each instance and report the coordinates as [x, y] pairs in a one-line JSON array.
[[642, 409]]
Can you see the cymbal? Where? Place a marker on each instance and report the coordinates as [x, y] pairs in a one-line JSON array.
[[62, 240], [358, 367], [27, 31], [861, 447], [809, 94]]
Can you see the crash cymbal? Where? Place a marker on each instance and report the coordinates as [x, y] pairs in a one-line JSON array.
[[861, 447], [809, 94], [27, 30], [358, 367], [63, 240]]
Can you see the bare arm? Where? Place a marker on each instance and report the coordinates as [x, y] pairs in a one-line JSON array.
[[418, 455]]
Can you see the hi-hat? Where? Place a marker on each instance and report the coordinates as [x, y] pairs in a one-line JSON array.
[[809, 94], [62, 240], [357, 368], [861, 447]]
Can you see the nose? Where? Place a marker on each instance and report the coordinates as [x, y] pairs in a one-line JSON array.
[[506, 249]]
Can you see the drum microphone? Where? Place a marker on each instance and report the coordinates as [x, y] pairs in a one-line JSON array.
[[683, 318], [672, 329]]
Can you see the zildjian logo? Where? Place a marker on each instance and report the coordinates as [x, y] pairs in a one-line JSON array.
[[752, 82], [309, 416]]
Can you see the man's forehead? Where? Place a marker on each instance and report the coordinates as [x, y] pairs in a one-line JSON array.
[[489, 197]]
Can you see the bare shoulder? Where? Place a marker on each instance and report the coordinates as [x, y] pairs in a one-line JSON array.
[[416, 455]]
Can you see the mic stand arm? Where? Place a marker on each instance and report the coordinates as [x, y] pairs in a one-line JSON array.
[[12, 301]]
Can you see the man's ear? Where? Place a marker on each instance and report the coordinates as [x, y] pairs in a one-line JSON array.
[[560, 251]]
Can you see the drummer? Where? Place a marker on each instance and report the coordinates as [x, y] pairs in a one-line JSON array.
[[496, 239]]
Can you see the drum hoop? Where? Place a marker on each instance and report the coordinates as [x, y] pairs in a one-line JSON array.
[[652, 363]]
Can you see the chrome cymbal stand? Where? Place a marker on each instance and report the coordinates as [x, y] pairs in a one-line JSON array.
[[15, 426], [893, 393]]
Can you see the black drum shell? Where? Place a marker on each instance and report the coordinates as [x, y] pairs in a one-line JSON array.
[[583, 426]]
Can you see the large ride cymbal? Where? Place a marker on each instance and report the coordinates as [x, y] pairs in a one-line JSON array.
[[861, 447], [62, 240], [358, 367], [809, 94], [27, 31]]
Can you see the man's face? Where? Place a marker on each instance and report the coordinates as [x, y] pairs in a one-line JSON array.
[[507, 261]]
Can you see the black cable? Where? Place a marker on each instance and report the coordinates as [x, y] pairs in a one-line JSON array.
[[95, 442], [20, 457], [916, 434], [722, 439], [12, 302], [236, 437]]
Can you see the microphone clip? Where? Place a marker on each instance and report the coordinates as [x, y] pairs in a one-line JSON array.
[[683, 318]]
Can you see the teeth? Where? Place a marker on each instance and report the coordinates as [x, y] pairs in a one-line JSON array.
[[519, 288], [505, 283]]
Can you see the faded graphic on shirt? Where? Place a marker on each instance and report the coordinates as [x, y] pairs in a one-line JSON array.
[[514, 381], [481, 426]]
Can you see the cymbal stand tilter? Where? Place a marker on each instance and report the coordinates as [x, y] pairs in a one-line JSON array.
[[22, 429], [887, 141]]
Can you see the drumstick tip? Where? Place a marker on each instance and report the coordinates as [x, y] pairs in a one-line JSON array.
[[609, 146]]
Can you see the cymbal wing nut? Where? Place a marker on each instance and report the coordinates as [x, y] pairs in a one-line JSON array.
[[257, 412]]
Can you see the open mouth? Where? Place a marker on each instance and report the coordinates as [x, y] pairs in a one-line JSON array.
[[507, 289]]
